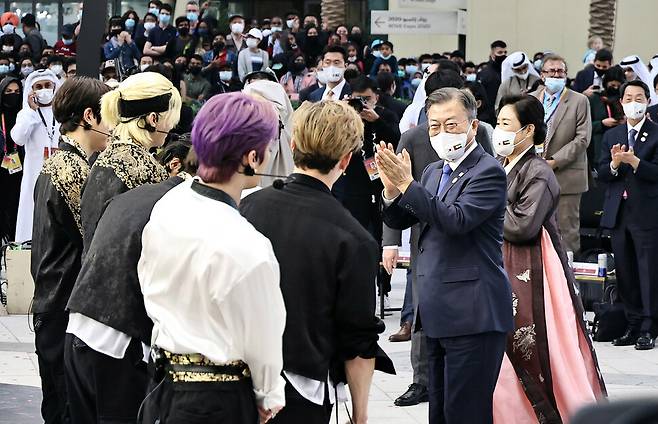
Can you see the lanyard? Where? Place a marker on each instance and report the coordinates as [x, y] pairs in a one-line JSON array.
[[51, 132]]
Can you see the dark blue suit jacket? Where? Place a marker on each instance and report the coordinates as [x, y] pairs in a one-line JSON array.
[[463, 288], [641, 186], [316, 96], [584, 79]]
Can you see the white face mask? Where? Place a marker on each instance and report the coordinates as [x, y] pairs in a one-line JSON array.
[[276, 29], [450, 147], [8, 29], [149, 26], [334, 74], [634, 110], [7, 49], [503, 141], [290, 23], [321, 75], [225, 75], [45, 95], [57, 69], [144, 66], [523, 76], [424, 66], [237, 28], [252, 42]]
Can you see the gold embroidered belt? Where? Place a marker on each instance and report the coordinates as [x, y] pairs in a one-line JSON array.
[[196, 368]]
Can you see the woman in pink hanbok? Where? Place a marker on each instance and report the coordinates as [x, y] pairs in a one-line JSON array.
[[550, 369]]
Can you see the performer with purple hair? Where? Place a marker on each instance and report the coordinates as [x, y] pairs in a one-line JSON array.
[[211, 286]]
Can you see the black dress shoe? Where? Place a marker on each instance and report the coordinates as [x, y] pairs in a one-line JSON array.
[[645, 342], [414, 395], [628, 339]]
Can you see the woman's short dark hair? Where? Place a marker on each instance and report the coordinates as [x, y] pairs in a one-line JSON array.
[[73, 98], [616, 73], [529, 110]]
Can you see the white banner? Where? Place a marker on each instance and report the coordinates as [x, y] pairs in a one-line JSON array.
[[414, 23]]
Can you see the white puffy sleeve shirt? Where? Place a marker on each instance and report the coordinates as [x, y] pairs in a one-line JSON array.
[[211, 285]]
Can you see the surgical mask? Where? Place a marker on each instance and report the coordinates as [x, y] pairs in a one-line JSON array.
[[149, 26], [225, 76], [154, 10], [411, 69], [192, 16], [471, 77], [45, 95], [252, 42], [450, 147], [12, 67], [237, 28], [27, 70], [4, 69], [377, 53], [503, 141], [424, 66], [555, 85], [634, 110], [401, 73], [385, 57], [164, 19], [67, 41], [322, 77], [8, 28], [130, 23], [7, 49], [57, 69], [416, 82], [266, 32], [276, 29], [334, 74], [143, 67], [537, 65], [523, 76], [290, 23]]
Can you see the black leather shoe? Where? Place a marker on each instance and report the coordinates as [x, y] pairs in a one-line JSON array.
[[645, 342], [628, 339], [414, 395]]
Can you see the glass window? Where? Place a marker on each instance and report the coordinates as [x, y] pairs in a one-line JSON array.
[[21, 8], [71, 12], [46, 14], [139, 6]]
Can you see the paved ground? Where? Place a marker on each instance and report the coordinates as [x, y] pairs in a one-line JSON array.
[[628, 373]]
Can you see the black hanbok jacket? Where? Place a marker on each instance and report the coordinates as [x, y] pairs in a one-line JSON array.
[[123, 166], [56, 235], [328, 266]]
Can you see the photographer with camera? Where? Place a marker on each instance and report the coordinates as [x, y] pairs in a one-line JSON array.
[[359, 190]]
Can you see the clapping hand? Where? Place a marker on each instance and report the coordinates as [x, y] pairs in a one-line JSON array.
[[394, 170], [621, 154]]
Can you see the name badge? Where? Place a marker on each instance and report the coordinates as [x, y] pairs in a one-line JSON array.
[[12, 163], [49, 151], [371, 168]]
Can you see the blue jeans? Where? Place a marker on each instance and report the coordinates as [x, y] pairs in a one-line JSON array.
[[407, 313]]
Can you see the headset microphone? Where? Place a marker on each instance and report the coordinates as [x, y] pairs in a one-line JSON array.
[[277, 184]]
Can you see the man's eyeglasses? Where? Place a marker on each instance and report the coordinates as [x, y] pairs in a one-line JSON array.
[[554, 72], [449, 127]]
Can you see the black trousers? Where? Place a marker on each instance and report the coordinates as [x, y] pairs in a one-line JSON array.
[[103, 389], [300, 410], [636, 261], [201, 403], [49, 330], [463, 373]]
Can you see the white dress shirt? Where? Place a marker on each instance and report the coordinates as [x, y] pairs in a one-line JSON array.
[[336, 91], [211, 286], [629, 127]]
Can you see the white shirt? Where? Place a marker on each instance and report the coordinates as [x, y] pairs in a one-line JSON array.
[[629, 127], [516, 160], [336, 91], [211, 286]]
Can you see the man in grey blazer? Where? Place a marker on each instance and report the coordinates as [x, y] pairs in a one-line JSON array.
[[417, 142], [567, 115]]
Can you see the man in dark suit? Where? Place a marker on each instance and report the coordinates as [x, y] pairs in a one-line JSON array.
[[333, 65], [592, 76], [387, 86], [417, 143], [465, 301], [629, 166], [652, 111], [489, 76]]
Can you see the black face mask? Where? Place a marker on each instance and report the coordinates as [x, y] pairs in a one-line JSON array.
[[298, 67], [116, 32], [599, 72], [183, 31], [11, 101], [195, 70], [218, 46], [499, 59], [612, 91]]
